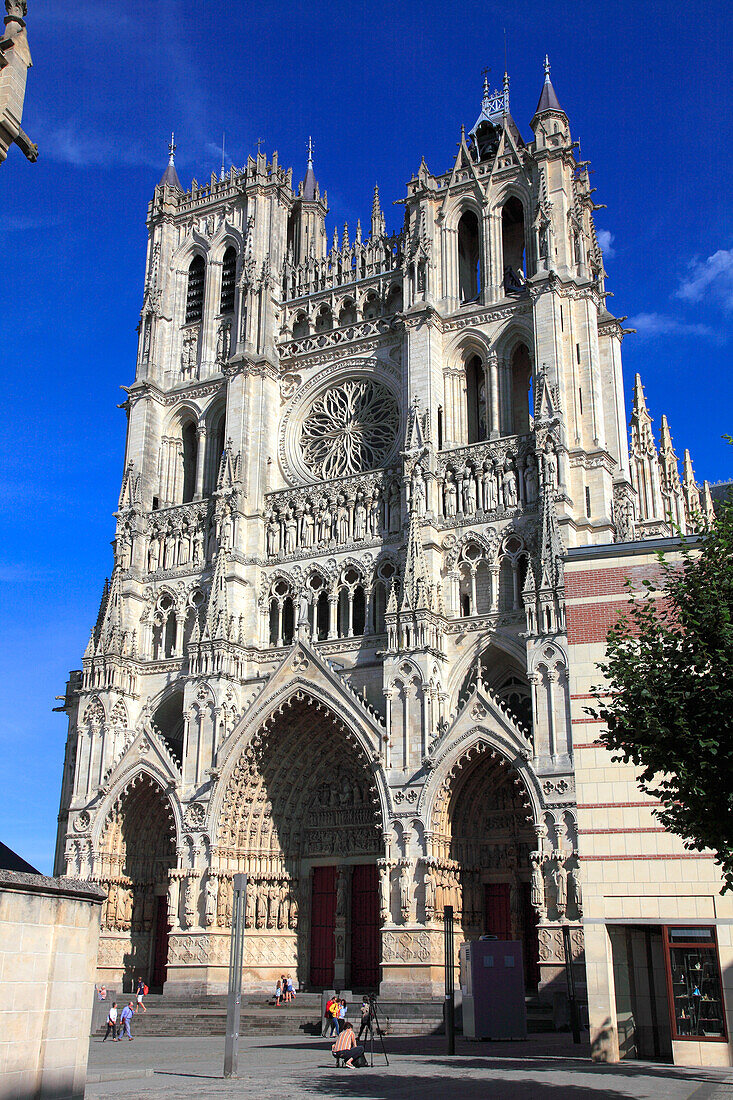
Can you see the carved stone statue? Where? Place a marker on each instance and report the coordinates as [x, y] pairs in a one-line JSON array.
[[531, 480], [576, 876], [273, 536], [450, 493], [395, 507], [560, 879], [509, 481], [430, 883], [375, 510], [405, 893], [307, 537], [189, 901], [538, 883], [488, 481], [418, 491], [341, 894], [549, 463], [211, 899], [291, 528], [360, 517], [153, 553], [250, 905], [385, 891]]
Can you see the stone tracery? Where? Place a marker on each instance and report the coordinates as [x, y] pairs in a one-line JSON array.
[[349, 429]]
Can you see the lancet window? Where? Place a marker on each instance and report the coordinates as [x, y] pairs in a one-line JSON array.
[[282, 614], [469, 257], [480, 581], [228, 277], [512, 240], [195, 290]]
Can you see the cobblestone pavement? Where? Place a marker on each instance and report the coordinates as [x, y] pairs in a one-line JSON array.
[[544, 1068]]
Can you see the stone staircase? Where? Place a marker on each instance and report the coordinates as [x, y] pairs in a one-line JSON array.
[[169, 1016]]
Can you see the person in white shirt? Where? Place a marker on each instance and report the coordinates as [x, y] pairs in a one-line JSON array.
[[111, 1023]]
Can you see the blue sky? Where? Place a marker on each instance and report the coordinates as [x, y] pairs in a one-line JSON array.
[[646, 87]]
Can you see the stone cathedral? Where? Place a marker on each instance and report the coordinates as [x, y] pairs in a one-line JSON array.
[[334, 650]]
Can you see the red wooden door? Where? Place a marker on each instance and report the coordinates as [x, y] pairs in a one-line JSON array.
[[323, 922], [497, 911], [364, 927], [159, 971]]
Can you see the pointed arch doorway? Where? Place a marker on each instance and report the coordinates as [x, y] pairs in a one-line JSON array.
[[301, 817], [137, 848], [483, 837]]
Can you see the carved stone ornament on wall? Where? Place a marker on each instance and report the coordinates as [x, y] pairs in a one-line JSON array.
[[195, 815], [406, 947], [551, 948], [350, 428], [82, 822]]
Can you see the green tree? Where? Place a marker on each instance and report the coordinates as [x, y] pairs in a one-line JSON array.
[[667, 705]]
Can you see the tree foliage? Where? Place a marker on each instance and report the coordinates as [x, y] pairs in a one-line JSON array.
[[668, 702]]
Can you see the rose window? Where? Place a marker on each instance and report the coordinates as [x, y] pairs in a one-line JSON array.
[[350, 428]]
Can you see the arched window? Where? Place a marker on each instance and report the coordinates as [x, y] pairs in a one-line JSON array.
[[274, 622], [343, 612], [379, 607], [347, 316], [215, 446], [288, 621], [324, 319], [394, 299], [169, 643], [476, 400], [371, 306], [190, 456], [300, 326], [228, 275], [521, 383], [195, 290], [322, 616], [506, 585], [359, 610], [512, 239], [469, 257]]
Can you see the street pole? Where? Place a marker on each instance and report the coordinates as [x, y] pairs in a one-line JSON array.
[[450, 1017], [234, 996], [570, 979]]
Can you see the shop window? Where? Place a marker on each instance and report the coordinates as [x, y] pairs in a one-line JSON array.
[[695, 988]]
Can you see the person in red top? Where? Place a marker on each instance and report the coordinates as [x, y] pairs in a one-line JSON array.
[[346, 1046]]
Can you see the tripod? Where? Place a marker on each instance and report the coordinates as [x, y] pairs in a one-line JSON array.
[[374, 1026]]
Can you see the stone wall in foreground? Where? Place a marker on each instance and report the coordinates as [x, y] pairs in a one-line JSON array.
[[49, 929]]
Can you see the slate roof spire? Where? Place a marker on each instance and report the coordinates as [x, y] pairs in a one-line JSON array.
[[310, 184], [548, 99], [170, 176]]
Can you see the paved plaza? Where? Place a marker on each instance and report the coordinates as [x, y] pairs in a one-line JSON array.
[[544, 1068]]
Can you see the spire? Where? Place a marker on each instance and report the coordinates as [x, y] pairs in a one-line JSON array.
[[548, 99], [690, 489], [708, 509], [217, 610], [494, 105], [310, 185], [170, 176], [416, 592], [378, 226]]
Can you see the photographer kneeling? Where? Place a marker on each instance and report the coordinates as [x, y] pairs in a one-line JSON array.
[[346, 1046]]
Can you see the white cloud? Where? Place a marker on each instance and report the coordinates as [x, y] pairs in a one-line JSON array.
[[712, 278], [659, 324], [605, 240], [72, 143]]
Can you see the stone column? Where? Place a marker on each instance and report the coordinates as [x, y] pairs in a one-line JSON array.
[[200, 460]]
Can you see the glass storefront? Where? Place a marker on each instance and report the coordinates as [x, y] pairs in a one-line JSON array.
[[695, 989]]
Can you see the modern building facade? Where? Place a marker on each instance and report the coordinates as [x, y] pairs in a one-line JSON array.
[[338, 650]]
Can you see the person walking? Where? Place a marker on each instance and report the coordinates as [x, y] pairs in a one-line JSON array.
[[278, 992], [291, 988], [127, 1013], [342, 1014], [111, 1023], [346, 1047], [327, 1016], [335, 1007], [366, 1020], [142, 990]]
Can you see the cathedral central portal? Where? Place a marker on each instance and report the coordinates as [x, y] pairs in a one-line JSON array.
[[300, 816]]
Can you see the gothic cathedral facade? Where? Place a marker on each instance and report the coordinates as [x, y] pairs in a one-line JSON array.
[[334, 652]]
